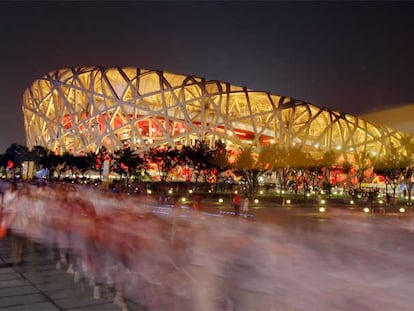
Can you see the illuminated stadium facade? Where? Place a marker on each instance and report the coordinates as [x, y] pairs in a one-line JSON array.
[[81, 109]]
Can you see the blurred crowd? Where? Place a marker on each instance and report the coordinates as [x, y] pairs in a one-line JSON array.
[[158, 254], [167, 257]]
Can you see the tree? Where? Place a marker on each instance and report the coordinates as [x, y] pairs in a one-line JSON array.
[[327, 161], [297, 163], [219, 161], [38, 154], [166, 159], [391, 166], [85, 162], [246, 166], [347, 167], [17, 154], [315, 170], [408, 143], [273, 157], [127, 162], [53, 162], [363, 161], [200, 158]]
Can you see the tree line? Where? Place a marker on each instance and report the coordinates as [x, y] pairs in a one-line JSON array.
[[285, 166]]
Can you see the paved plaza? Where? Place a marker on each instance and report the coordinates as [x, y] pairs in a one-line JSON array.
[[338, 260], [36, 284]]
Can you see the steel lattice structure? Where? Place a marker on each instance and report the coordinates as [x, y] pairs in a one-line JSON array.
[[81, 109]]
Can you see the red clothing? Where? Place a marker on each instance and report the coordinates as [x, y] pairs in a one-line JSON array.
[[236, 200]]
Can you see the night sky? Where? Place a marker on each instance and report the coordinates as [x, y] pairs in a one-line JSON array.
[[353, 57]]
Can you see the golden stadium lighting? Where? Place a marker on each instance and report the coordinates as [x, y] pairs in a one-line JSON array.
[[81, 109]]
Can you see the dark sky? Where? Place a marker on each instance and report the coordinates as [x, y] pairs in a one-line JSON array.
[[354, 57]]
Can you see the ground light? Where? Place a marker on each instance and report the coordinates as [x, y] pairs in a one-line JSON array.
[[261, 191], [366, 210], [183, 200], [149, 191], [220, 200], [256, 201], [402, 210], [288, 201], [351, 202], [322, 209]]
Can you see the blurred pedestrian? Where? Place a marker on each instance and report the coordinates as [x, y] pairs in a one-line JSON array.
[[236, 204], [245, 206], [16, 205], [318, 198], [196, 205]]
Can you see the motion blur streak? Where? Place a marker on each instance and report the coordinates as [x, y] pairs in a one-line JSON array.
[[171, 258]]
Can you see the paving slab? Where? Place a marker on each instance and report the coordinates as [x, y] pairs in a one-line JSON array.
[[21, 299], [36, 284], [15, 282], [18, 291], [43, 306]]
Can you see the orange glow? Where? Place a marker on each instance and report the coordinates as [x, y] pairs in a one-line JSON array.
[[182, 114]]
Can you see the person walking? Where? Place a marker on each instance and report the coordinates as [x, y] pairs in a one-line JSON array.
[[236, 204], [245, 206]]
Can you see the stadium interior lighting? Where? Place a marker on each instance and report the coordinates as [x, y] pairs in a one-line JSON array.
[[81, 109]]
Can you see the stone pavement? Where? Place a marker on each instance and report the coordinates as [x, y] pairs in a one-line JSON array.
[[36, 284]]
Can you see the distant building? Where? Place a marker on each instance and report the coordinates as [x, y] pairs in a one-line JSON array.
[[81, 109]]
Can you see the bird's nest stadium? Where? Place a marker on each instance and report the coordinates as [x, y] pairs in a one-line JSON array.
[[81, 109]]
